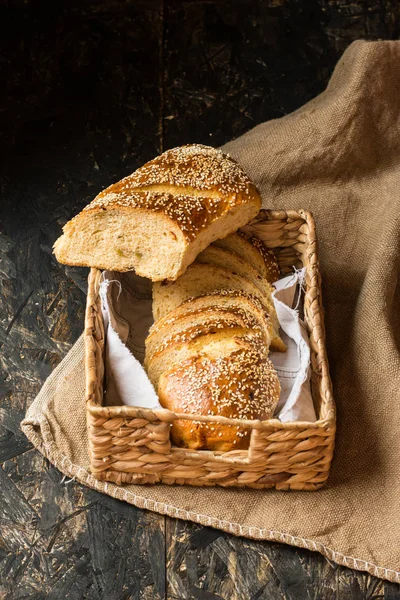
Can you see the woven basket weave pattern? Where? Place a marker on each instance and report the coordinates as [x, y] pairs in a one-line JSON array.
[[132, 445]]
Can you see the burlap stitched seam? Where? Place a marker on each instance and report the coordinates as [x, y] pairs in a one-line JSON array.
[[48, 448]]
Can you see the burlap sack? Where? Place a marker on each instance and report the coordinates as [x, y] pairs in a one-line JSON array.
[[338, 156]]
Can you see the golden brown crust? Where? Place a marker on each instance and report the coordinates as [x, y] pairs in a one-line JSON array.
[[213, 325], [213, 315], [215, 344], [243, 385], [193, 166], [250, 309], [268, 255], [203, 184]]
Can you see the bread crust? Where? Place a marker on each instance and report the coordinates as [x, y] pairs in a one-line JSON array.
[[178, 183], [242, 385], [193, 324], [272, 271], [196, 167], [227, 300], [254, 251]]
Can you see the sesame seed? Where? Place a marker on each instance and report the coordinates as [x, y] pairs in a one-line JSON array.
[[243, 385], [195, 166]]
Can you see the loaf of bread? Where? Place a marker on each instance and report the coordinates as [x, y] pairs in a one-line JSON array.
[[236, 382], [207, 352], [157, 220], [209, 356]]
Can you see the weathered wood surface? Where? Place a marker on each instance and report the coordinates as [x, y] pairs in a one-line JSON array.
[[89, 92]]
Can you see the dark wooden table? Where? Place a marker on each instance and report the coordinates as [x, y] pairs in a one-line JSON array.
[[90, 91]]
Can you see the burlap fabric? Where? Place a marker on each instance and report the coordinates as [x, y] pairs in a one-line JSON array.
[[338, 156]]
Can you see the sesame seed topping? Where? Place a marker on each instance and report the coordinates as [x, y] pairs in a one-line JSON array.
[[267, 254], [242, 385], [176, 329], [193, 170], [194, 165]]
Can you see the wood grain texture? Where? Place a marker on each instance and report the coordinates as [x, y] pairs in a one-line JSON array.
[[228, 70], [62, 540], [77, 119], [210, 564], [91, 91]]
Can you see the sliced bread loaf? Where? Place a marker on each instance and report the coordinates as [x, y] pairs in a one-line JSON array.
[[248, 307], [212, 317], [201, 279]]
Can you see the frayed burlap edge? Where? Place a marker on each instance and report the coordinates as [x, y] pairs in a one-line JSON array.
[[46, 445]]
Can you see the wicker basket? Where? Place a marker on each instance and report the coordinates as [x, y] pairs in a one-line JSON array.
[[132, 445]]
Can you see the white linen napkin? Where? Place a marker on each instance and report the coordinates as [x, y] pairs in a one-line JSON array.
[[133, 386], [293, 367], [126, 377]]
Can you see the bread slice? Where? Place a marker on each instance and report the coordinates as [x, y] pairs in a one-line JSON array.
[[231, 261], [254, 251], [201, 279], [212, 317], [238, 302], [240, 383], [158, 219], [206, 342]]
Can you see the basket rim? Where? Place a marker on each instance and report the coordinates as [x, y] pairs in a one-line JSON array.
[[163, 414]]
